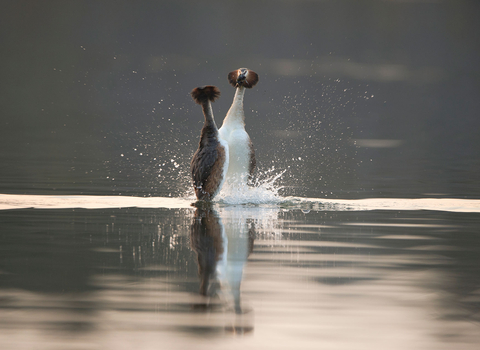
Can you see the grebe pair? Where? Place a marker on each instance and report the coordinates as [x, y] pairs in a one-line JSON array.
[[226, 154]]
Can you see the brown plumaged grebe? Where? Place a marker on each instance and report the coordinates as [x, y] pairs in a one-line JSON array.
[[242, 155], [210, 162]]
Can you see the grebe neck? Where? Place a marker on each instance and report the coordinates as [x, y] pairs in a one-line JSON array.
[[208, 113], [209, 129], [235, 114]]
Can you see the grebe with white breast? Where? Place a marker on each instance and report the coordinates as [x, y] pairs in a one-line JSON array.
[[242, 155], [210, 162]]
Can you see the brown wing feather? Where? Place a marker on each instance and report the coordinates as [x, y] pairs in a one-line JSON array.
[[207, 170], [201, 165], [216, 173]]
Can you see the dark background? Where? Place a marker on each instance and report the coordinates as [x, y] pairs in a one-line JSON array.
[[355, 98]]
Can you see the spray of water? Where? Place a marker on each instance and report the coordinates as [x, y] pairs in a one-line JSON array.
[[262, 190]]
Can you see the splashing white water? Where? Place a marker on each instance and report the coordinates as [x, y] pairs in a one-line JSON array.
[[262, 191]]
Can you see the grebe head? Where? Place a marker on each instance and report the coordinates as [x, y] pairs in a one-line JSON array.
[[243, 77], [205, 93]]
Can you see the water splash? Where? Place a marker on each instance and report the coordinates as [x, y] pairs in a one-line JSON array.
[[263, 190]]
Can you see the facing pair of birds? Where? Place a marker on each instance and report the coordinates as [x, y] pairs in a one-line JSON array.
[[224, 154]]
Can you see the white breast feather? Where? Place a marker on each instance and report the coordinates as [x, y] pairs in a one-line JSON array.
[[239, 150]]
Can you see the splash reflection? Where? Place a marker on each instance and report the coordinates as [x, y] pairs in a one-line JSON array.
[[222, 241]]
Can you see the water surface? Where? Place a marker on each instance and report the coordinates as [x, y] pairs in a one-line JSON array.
[[218, 276]]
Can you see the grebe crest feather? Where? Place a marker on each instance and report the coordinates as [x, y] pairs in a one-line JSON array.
[[206, 93], [243, 77]]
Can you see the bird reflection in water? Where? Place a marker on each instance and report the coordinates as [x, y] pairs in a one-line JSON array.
[[222, 244]]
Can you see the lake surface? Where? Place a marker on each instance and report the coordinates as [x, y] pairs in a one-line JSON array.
[[155, 273]]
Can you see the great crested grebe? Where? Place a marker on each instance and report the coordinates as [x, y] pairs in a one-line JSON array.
[[242, 155], [210, 162]]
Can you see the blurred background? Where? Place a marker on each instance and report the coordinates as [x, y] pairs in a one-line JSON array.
[[374, 98]]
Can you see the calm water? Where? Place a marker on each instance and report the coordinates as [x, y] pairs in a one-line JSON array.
[[362, 232], [276, 275]]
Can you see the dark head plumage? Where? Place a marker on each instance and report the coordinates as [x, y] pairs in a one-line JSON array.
[[243, 77], [205, 93]]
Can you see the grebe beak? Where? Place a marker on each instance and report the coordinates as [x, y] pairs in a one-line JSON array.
[[242, 76]]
